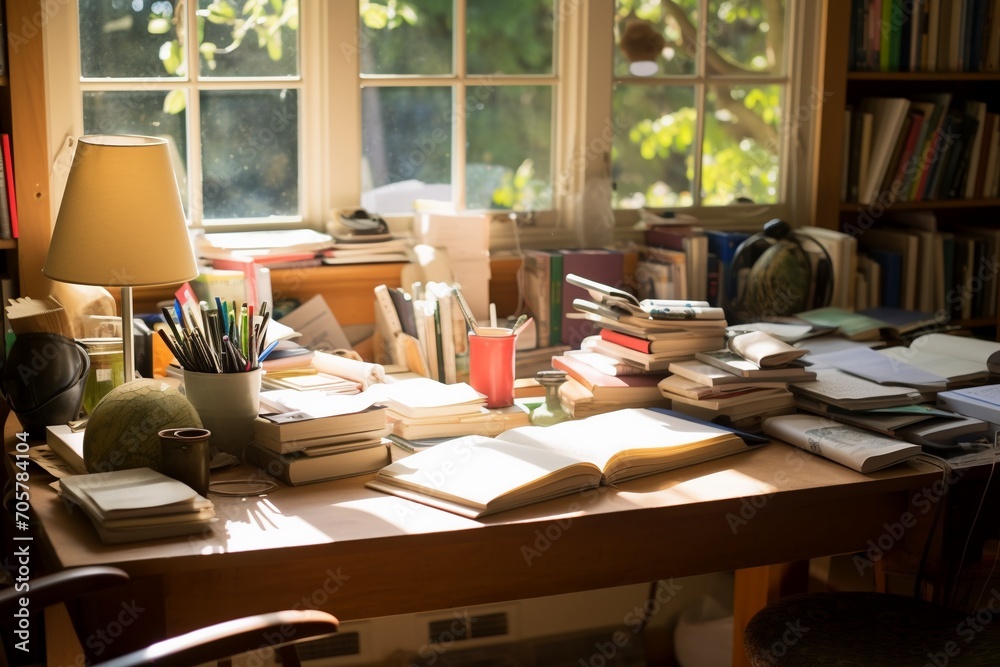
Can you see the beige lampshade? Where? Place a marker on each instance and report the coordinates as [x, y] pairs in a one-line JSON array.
[[121, 221]]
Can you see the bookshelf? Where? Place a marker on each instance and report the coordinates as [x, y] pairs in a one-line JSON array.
[[846, 87]]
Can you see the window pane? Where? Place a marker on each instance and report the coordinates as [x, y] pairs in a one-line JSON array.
[[129, 39], [747, 36], [509, 154], [510, 37], [249, 152], [248, 38], [742, 144], [652, 156], [406, 37], [406, 147], [641, 25], [142, 113]]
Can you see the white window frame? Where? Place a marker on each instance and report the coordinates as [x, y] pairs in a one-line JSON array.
[[330, 118]]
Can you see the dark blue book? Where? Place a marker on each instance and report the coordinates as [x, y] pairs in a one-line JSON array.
[[723, 245], [892, 276]]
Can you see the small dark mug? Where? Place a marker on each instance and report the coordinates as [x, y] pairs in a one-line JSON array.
[[184, 456]]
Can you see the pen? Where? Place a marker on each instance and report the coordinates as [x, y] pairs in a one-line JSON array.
[[267, 351]]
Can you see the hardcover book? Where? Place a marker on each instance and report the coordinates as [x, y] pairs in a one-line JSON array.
[[530, 464]]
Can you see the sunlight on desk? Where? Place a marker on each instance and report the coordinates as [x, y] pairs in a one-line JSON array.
[[720, 485]]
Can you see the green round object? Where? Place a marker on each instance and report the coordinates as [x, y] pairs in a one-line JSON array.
[[778, 282], [123, 430]]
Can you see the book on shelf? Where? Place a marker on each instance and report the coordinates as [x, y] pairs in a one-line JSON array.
[[850, 446], [730, 362], [476, 476], [137, 504], [538, 293], [608, 387], [296, 468], [8, 186]]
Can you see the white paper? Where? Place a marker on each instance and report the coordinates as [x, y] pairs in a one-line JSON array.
[[314, 403], [879, 368], [317, 325]]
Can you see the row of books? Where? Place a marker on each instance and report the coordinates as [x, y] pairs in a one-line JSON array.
[[925, 148], [925, 35], [424, 331], [914, 261], [297, 248]]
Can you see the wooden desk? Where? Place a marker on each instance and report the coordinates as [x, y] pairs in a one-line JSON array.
[[359, 553]]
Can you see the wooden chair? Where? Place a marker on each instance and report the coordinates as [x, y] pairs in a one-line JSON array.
[[214, 643], [877, 629]]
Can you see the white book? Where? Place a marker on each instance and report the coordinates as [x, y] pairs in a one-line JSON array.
[[888, 115], [474, 476], [853, 447]]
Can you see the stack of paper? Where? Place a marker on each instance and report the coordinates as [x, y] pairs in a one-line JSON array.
[[137, 504], [424, 408]]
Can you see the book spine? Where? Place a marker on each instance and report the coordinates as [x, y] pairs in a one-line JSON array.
[[631, 342], [273, 466], [8, 160], [6, 228], [555, 298]]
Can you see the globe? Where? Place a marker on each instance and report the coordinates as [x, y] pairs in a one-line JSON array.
[[122, 432]]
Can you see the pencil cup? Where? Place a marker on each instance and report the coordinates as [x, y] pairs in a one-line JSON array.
[[491, 368], [184, 456], [227, 404]]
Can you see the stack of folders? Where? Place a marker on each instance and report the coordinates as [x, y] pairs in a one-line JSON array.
[[137, 504], [741, 384], [418, 408], [298, 448]]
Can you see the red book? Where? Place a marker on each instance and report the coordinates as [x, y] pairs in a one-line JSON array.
[[9, 175], [631, 342]]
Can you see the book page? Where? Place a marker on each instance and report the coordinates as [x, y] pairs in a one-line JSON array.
[[600, 438], [871, 365], [476, 470], [947, 366], [961, 347], [834, 385]]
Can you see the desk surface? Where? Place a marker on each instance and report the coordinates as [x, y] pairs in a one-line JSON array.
[[367, 554]]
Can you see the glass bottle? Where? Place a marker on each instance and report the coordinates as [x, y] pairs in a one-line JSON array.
[[107, 369], [551, 412]]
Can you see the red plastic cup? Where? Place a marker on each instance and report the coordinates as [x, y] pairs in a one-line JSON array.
[[491, 368]]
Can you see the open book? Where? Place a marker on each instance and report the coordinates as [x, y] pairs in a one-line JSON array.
[[853, 447], [475, 475], [657, 309]]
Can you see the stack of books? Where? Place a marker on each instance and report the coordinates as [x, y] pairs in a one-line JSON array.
[[137, 504], [596, 383], [298, 446], [635, 343], [419, 408], [741, 384]]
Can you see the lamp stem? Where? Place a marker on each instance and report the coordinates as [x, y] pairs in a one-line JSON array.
[[127, 336]]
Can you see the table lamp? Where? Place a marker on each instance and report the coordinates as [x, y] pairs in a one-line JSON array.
[[121, 223]]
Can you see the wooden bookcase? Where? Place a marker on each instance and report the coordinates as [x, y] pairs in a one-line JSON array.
[[843, 87]]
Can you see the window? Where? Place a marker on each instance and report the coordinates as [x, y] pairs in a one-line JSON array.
[[219, 80], [698, 96], [457, 102], [279, 110]]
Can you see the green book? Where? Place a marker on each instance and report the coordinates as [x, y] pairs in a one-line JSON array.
[[555, 298]]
